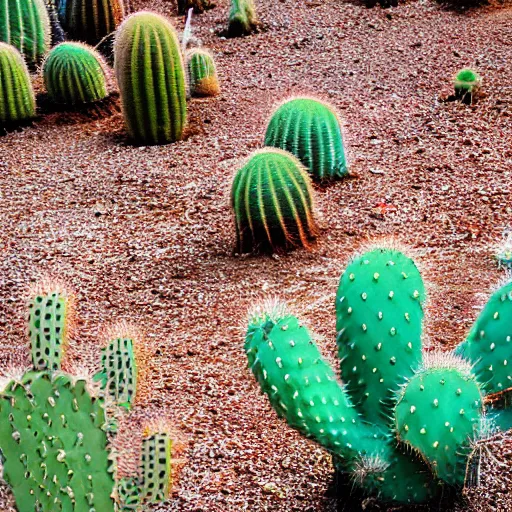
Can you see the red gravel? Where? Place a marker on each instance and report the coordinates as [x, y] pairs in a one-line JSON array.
[[146, 233]]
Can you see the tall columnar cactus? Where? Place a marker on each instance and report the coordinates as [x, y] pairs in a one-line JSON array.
[[151, 77], [405, 424], [202, 73], [17, 100], [466, 84], [90, 21], [242, 18], [25, 25], [273, 203], [75, 74], [311, 130]]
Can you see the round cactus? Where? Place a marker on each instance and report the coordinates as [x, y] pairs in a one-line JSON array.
[[311, 130], [90, 20], [202, 73], [25, 25], [466, 83], [151, 78], [273, 204], [17, 101], [74, 74]]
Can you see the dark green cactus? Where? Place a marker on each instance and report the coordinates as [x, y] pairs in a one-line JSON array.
[[242, 18], [156, 477], [202, 73], [151, 78], [25, 25], [311, 130], [466, 84], [378, 319], [90, 21], [75, 74], [17, 100], [272, 199]]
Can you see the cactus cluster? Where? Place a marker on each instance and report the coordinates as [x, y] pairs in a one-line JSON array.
[[242, 18], [55, 434], [202, 73], [272, 199], [404, 424]]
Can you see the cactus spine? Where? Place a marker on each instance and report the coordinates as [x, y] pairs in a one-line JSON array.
[[202, 73], [311, 130], [74, 74], [25, 25], [17, 100], [272, 199], [242, 18], [151, 77]]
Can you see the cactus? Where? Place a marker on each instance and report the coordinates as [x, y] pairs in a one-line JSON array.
[[56, 29], [89, 21], [74, 74], [504, 251], [396, 398], [242, 18], [17, 100], [151, 77], [25, 25], [272, 199], [311, 130], [199, 6], [202, 73], [466, 84]]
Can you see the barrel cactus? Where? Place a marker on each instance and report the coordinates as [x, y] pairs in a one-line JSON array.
[[17, 100], [242, 18], [466, 84], [75, 74], [311, 130], [90, 21], [25, 25], [406, 424], [151, 78], [272, 199], [202, 73]]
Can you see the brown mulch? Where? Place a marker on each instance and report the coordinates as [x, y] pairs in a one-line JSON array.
[[146, 233]]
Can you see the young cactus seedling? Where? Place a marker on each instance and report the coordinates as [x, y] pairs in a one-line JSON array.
[[202, 73], [466, 83]]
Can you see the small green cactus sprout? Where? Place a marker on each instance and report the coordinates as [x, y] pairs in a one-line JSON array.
[[273, 203], [89, 21], [75, 74], [242, 18], [151, 78], [202, 73], [25, 25], [17, 100], [310, 130], [466, 84]]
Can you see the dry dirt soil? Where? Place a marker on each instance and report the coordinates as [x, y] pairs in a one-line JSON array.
[[146, 233]]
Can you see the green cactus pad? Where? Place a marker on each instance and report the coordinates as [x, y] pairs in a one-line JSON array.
[[54, 447], [48, 325], [309, 129], [439, 413], [118, 375], [489, 343], [242, 18], [156, 467], [272, 199], [202, 73], [378, 319], [17, 101], [90, 21], [25, 25], [466, 82], [74, 74]]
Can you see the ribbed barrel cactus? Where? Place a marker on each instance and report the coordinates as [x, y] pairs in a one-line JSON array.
[[75, 74], [90, 21], [202, 73], [17, 100], [25, 25], [242, 18], [56, 431], [311, 130], [272, 199], [151, 77], [466, 84], [403, 425]]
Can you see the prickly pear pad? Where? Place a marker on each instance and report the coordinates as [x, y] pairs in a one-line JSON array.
[[439, 413], [378, 319]]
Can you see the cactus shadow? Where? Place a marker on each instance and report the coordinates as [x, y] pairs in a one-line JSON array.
[[7, 128]]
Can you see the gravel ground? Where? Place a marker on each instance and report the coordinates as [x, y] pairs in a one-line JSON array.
[[146, 233]]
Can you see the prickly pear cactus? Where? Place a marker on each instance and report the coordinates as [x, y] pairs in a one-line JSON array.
[[75, 74], [202, 73], [466, 84], [25, 25], [151, 78], [311, 130], [273, 203], [17, 100], [242, 18]]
